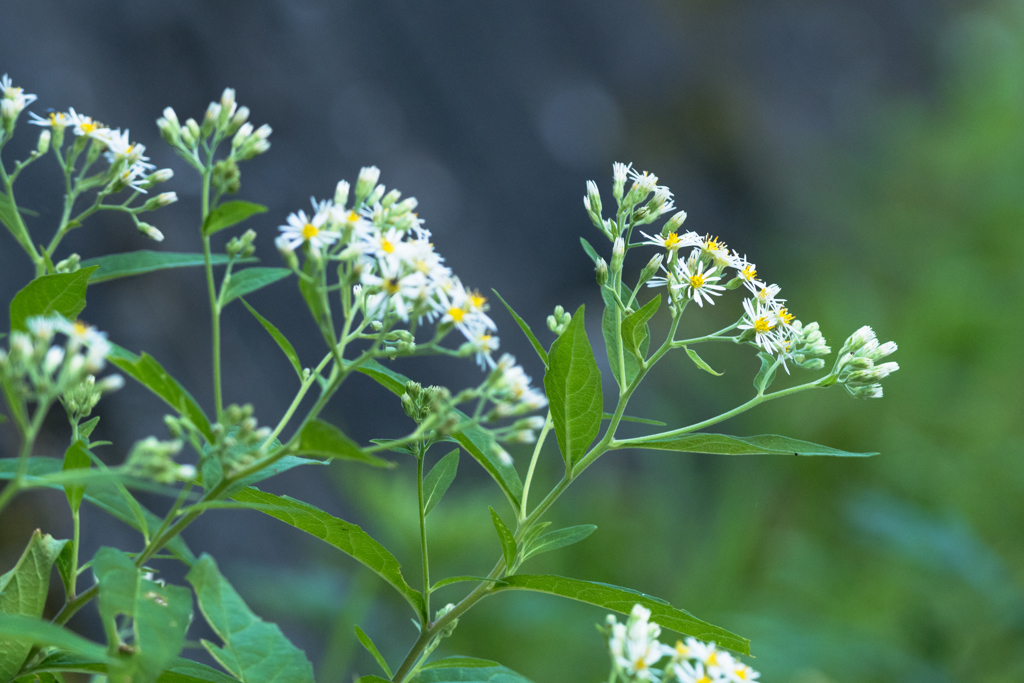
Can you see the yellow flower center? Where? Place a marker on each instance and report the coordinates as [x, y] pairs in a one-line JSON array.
[[309, 231], [387, 246], [477, 301], [88, 127], [457, 314], [391, 285], [671, 241], [748, 273], [697, 281], [743, 673], [713, 244], [704, 679], [762, 325], [681, 649], [785, 316], [712, 659], [80, 327]]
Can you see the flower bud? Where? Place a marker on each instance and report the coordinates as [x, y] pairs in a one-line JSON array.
[[341, 193], [193, 129], [390, 198], [618, 254], [240, 117], [161, 200], [43, 146], [367, 181], [110, 383], [602, 272], [69, 265], [673, 224], [651, 268], [150, 231], [619, 171], [209, 120]]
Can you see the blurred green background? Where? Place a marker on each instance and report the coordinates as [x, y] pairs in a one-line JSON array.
[[904, 210]]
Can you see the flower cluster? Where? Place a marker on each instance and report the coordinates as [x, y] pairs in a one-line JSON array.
[[13, 101], [637, 655], [858, 368], [40, 368], [154, 459]]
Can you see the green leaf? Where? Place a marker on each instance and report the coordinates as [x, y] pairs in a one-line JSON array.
[[148, 372], [699, 362], [323, 440], [461, 579], [722, 444], [392, 381], [282, 465], [344, 536], [467, 670], [160, 615], [76, 457], [86, 428], [64, 563], [311, 295], [187, 671], [508, 540], [66, 661], [558, 539], [591, 252], [254, 651], [246, 281], [438, 479], [8, 212], [766, 375], [573, 386], [622, 600], [533, 532], [281, 340], [640, 420], [526, 329], [129, 263], [372, 679], [23, 591], [611, 330], [634, 326], [30, 631], [228, 214], [372, 649], [62, 293]]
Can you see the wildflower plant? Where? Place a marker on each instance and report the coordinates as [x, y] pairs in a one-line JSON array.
[[368, 272]]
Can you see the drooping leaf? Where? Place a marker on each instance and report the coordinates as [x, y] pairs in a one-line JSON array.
[[323, 440], [282, 341], [367, 642], [558, 539], [699, 362], [129, 263], [634, 325], [246, 281], [525, 328], [63, 293], [344, 536], [622, 600], [148, 372], [639, 420], [160, 615], [591, 252], [228, 214], [467, 670], [573, 387], [505, 536], [438, 479], [76, 457], [253, 650], [766, 375], [31, 631], [723, 444], [23, 592]]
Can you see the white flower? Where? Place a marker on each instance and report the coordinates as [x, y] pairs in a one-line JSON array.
[[120, 149], [392, 289], [762, 321], [745, 270], [672, 241], [463, 308], [483, 343], [741, 673], [55, 119], [717, 250], [85, 125], [17, 98], [635, 645], [688, 672], [302, 228], [697, 284], [766, 295]]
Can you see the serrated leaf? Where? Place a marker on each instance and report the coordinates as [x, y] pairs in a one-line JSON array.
[[129, 263], [622, 600], [246, 281], [699, 362], [367, 642], [467, 670], [76, 457], [229, 214], [505, 536], [160, 615], [344, 536], [63, 293], [23, 592], [30, 631], [634, 326], [148, 372], [573, 386], [558, 539], [766, 375], [323, 440], [722, 444], [282, 341], [438, 479], [525, 328], [254, 651]]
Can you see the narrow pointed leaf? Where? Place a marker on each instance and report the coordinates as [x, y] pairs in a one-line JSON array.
[[283, 465], [640, 420], [323, 440], [508, 540], [246, 281], [344, 536], [228, 214], [127, 264], [180, 671], [766, 375], [23, 591], [461, 579], [525, 328], [85, 429], [63, 563], [699, 362], [467, 670], [634, 325], [148, 372], [558, 539], [622, 600], [62, 293], [591, 252], [438, 479], [254, 651], [372, 649], [76, 457], [573, 386], [8, 212], [31, 631], [282, 341], [722, 444]]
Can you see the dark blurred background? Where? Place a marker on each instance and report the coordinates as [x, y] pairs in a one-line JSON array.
[[868, 156]]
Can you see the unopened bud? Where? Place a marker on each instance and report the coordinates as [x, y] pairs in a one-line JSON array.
[[619, 172], [367, 181], [618, 254], [241, 135], [69, 265], [150, 231], [341, 193], [651, 268], [193, 129], [673, 224], [161, 200], [43, 146], [390, 198], [602, 272], [210, 119]]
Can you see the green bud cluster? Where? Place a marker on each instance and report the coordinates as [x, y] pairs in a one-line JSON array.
[[154, 459], [241, 246], [226, 177], [559, 320], [237, 439], [432, 403], [808, 346], [80, 399], [858, 368]]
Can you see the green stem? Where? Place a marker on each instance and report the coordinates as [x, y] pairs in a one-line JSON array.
[[28, 441], [19, 231], [533, 464], [425, 617], [211, 287]]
